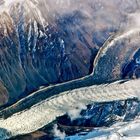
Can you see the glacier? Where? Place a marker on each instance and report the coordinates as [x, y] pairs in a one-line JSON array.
[[57, 56]]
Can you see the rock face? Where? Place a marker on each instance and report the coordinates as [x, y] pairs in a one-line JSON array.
[[11, 73], [42, 43]]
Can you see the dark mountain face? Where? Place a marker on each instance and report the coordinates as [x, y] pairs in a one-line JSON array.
[[11, 73], [34, 53], [48, 42]]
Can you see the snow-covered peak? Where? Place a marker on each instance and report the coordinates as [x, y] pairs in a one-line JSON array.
[[6, 4], [27, 10]]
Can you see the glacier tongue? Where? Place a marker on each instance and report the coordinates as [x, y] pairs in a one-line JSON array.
[[46, 111]]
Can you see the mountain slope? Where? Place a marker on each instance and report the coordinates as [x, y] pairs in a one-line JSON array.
[[40, 49], [48, 42]]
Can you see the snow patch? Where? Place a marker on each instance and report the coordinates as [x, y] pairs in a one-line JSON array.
[[6, 4], [75, 113], [58, 133]]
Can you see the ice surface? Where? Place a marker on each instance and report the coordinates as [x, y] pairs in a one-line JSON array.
[[120, 131]]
